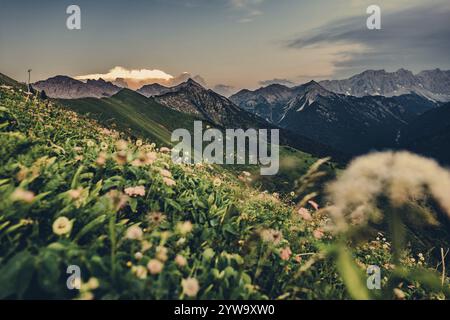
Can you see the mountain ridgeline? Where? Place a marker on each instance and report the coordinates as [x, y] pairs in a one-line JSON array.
[[353, 125], [370, 111]]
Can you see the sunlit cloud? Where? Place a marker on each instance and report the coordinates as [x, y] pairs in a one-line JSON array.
[[123, 73], [136, 78]]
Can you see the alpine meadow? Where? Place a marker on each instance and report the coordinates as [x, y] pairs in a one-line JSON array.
[[304, 156]]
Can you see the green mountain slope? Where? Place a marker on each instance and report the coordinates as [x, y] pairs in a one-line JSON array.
[[135, 113], [5, 80], [144, 117]]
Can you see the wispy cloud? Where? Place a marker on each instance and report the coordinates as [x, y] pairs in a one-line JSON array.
[[250, 9], [413, 37]]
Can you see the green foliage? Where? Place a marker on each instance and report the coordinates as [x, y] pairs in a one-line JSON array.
[[140, 226]]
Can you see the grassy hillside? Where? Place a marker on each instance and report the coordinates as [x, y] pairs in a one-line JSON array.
[[73, 193], [5, 80], [143, 117], [134, 113]]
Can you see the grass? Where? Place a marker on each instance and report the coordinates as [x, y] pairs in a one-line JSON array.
[[73, 193]]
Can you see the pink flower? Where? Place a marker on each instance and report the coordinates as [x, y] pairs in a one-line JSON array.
[[285, 253], [135, 191], [169, 182], [314, 204], [304, 213], [318, 234], [155, 266]]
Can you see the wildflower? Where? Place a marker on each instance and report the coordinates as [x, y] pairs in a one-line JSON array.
[[75, 193], [135, 191], [145, 246], [181, 241], [129, 264], [314, 204], [139, 271], [318, 234], [22, 195], [161, 253], [101, 159], [246, 174], [22, 174], [271, 235], [150, 157], [292, 194], [103, 146], [62, 226], [285, 253], [298, 258], [139, 143], [138, 255], [169, 182], [156, 218], [164, 150], [304, 214], [180, 260], [184, 227], [86, 295], [117, 198], [155, 266], [90, 143], [134, 233], [400, 176], [121, 157], [121, 145], [190, 287], [165, 173], [93, 283]]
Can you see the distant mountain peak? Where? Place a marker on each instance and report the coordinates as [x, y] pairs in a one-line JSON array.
[[432, 84], [65, 87]]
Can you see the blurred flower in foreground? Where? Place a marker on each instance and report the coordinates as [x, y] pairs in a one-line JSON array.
[[62, 226], [271, 236], [401, 177], [304, 214], [155, 266], [285, 253], [134, 233], [190, 287], [22, 195]]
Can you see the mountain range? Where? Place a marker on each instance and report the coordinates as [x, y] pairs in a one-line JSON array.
[[64, 87], [432, 84], [376, 111], [350, 124]]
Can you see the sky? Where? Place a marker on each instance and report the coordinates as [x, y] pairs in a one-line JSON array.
[[231, 44]]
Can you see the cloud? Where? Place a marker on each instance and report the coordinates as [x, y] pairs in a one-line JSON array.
[[136, 74], [415, 37], [285, 82], [250, 9], [136, 78]]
